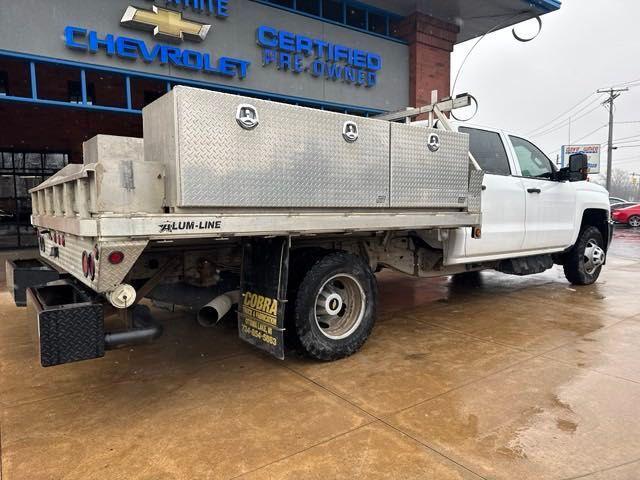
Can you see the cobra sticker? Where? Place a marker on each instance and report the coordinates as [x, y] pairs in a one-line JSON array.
[[260, 317]]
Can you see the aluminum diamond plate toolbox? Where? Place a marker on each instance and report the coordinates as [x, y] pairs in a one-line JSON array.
[[428, 171], [224, 150]]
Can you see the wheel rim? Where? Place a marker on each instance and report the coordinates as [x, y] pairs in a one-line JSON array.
[[634, 221], [594, 257], [340, 306]]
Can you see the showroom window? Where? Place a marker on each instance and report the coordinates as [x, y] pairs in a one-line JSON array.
[[75, 92], [19, 172], [4, 83], [350, 13]]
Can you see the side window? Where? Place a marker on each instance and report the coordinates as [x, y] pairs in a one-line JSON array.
[[533, 163], [488, 150]]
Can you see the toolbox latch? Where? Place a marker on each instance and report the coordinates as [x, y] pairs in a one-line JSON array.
[[247, 116], [350, 131]]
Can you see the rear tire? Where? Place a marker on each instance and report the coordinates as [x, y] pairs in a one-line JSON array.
[[583, 263], [634, 221], [335, 307]]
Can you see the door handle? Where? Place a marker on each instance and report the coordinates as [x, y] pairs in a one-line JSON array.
[[534, 190], [484, 187]]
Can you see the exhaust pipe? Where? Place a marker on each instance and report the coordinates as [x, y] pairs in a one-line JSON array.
[[212, 312]]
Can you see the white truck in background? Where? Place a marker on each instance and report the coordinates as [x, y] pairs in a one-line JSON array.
[[288, 212]]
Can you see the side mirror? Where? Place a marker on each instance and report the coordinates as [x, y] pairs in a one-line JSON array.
[[578, 167]]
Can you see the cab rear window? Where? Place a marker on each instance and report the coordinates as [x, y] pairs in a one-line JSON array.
[[488, 150]]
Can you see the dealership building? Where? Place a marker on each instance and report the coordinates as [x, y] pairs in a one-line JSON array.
[[71, 69]]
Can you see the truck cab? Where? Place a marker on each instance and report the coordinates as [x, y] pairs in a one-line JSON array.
[[528, 207]]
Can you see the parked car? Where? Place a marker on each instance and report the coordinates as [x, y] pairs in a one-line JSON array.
[[618, 206], [613, 200], [629, 216]]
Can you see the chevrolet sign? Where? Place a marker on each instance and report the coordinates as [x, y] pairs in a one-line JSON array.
[[165, 24]]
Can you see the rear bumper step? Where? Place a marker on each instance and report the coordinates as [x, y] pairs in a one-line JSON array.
[[69, 323], [69, 327], [24, 273]]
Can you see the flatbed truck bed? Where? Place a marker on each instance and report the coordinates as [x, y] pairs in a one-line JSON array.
[[231, 198]]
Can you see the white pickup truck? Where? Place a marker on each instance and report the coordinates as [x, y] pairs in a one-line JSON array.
[[529, 209], [288, 212]]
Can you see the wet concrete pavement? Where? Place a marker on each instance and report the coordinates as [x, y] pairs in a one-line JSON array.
[[502, 378], [626, 242]]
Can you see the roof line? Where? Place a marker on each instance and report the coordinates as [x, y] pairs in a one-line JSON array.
[[547, 5]]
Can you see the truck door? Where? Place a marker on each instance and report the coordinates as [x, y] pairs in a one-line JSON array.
[[503, 198], [551, 205]]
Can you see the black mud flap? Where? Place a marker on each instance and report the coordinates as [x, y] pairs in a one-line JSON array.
[[264, 278]]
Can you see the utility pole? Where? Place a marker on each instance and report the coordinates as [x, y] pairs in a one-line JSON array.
[[613, 94]]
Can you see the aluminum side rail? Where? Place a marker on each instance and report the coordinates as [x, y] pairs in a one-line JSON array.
[[233, 224]]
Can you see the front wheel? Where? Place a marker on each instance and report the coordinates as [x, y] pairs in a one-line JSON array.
[[634, 221], [583, 263], [335, 307]]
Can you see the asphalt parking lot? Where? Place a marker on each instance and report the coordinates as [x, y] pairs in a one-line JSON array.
[[503, 378]]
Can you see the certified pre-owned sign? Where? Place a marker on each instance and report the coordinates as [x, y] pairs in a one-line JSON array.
[[317, 57]]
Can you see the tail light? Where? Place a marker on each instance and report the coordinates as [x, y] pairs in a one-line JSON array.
[[88, 266], [91, 267], [116, 257], [85, 264]]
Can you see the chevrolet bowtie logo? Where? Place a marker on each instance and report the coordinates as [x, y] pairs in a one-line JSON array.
[[165, 24]]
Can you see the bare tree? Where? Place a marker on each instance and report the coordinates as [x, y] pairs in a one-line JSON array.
[[622, 185]]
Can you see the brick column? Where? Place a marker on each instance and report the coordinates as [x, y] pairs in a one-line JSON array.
[[430, 45]]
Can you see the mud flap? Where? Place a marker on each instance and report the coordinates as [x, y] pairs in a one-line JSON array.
[[264, 278]]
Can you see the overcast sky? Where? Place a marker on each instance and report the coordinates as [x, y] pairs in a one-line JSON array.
[[523, 87]]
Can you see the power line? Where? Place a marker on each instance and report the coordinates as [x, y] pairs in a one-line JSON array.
[[636, 140], [546, 124], [626, 84], [554, 123], [590, 133], [622, 139], [570, 119], [629, 84]]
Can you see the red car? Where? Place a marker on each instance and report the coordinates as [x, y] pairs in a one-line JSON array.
[[629, 215]]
